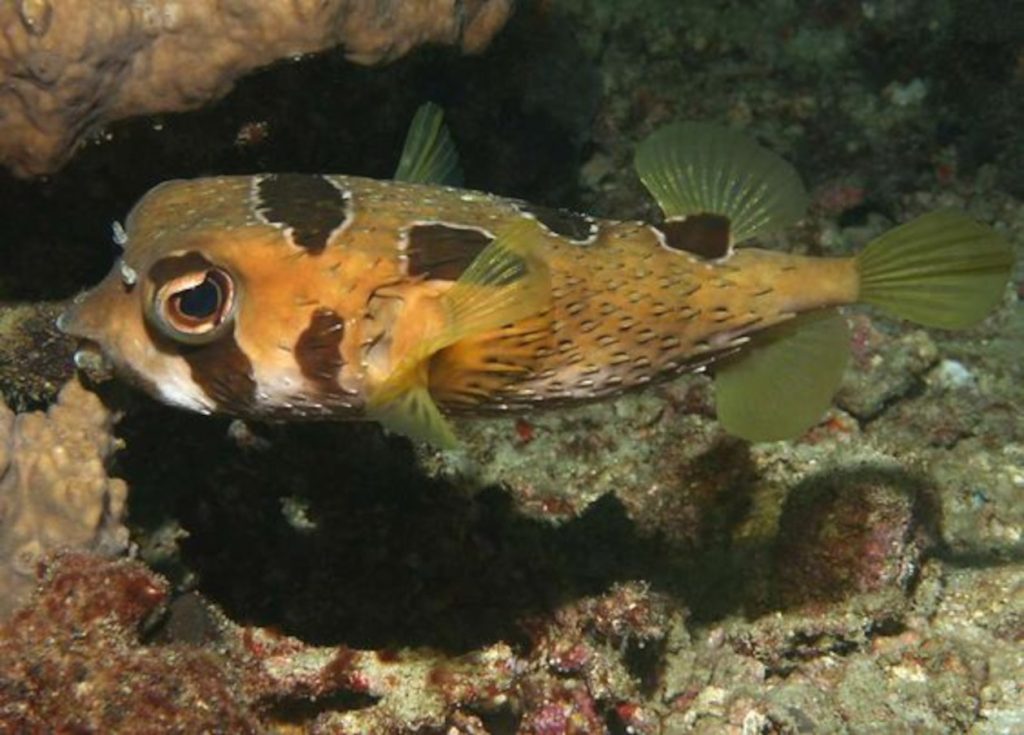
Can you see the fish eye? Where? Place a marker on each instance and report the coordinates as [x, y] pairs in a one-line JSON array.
[[195, 308], [199, 302]]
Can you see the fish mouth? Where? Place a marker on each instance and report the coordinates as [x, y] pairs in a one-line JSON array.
[[65, 322], [70, 320], [92, 362], [90, 359]]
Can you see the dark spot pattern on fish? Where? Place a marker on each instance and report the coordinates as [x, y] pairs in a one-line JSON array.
[[223, 372], [308, 206], [578, 228], [443, 251], [703, 235], [318, 350]]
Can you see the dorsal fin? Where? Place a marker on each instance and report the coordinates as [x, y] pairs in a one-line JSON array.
[[429, 155], [507, 282], [781, 384], [698, 169]]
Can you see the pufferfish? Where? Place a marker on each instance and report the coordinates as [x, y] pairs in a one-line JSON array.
[[286, 296]]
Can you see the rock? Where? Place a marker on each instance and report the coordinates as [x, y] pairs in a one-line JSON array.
[[71, 67]]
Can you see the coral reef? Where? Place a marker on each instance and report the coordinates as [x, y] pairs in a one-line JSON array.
[[54, 488], [622, 567], [71, 67], [102, 649]]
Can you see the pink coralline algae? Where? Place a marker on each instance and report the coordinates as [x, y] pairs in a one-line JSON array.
[[859, 532], [92, 653], [72, 661]]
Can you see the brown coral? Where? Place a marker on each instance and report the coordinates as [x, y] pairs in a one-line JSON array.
[[54, 490], [72, 66]]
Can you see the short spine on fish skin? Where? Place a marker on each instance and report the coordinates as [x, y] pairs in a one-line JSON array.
[[717, 189], [942, 269]]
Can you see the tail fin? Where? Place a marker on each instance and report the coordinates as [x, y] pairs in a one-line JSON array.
[[942, 269]]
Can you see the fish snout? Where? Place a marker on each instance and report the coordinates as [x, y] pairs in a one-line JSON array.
[[89, 356], [69, 320]]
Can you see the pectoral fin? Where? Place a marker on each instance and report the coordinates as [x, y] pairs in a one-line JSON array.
[[506, 283], [780, 385], [406, 407]]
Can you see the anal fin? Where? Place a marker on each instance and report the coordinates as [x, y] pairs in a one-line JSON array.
[[781, 384]]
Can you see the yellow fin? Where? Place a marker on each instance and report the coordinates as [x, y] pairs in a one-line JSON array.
[[782, 383], [408, 409], [507, 282], [697, 168], [429, 155], [943, 269]]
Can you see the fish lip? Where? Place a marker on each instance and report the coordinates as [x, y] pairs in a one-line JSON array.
[[92, 361], [65, 322], [89, 357], [62, 323]]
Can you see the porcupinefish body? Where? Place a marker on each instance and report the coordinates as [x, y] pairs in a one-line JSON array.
[[297, 296]]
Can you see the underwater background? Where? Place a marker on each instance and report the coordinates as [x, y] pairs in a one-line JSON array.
[[625, 567]]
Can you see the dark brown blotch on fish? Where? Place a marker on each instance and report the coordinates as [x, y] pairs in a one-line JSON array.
[[311, 206], [703, 235], [318, 350], [221, 369], [442, 251], [563, 222], [224, 373]]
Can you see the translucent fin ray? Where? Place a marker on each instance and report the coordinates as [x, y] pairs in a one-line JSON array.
[[413, 413], [942, 269], [697, 168], [507, 282], [781, 384], [429, 155]]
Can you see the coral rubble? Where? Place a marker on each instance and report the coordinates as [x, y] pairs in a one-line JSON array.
[[71, 661], [70, 67], [54, 488], [103, 649]]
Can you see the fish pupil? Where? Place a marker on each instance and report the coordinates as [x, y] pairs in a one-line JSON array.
[[200, 302]]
